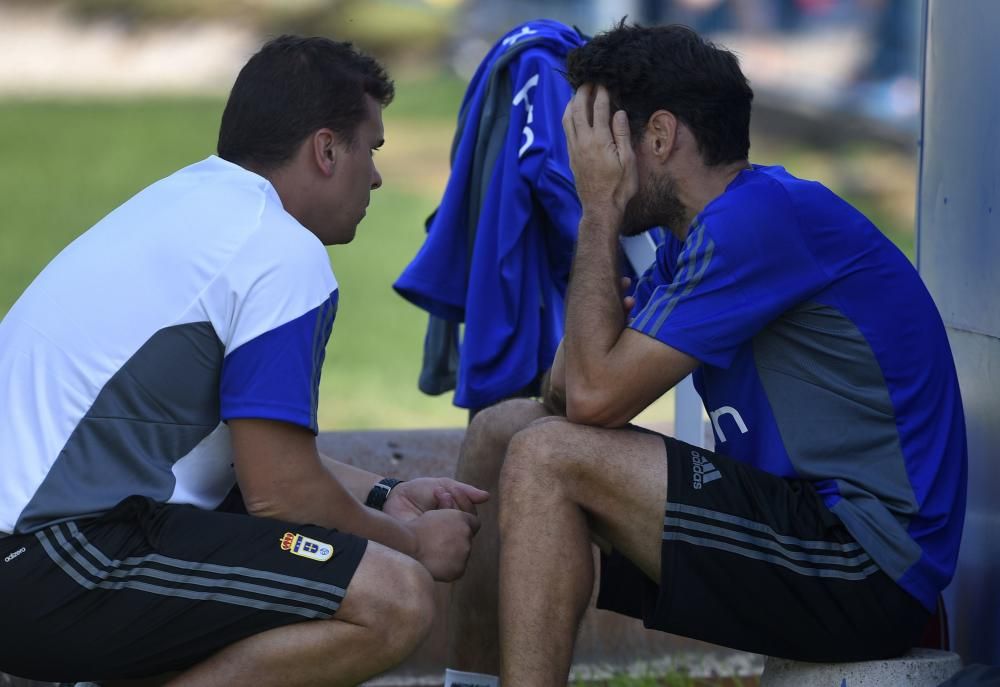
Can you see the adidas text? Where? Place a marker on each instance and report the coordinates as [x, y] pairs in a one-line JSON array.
[[702, 470], [14, 555]]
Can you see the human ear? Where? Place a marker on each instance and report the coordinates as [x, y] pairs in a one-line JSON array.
[[661, 131], [324, 150]]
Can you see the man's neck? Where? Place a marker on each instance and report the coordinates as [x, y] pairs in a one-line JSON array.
[[700, 186]]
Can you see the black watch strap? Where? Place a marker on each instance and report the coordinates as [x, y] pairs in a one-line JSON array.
[[380, 492]]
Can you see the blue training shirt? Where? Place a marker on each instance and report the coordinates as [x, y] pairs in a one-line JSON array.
[[824, 358]]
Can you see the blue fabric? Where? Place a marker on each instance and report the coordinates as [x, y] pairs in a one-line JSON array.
[[767, 244], [275, 376], [520, 215]]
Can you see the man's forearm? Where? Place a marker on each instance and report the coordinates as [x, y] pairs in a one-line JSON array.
[[599, 143], [323, 499], [364, 521], [594, 315], [356, 481], [282, 476]]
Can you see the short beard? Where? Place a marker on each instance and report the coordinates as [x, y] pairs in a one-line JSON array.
[[656, 204]]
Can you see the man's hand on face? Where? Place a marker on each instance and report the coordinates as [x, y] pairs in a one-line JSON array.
[[414, 497], [600, 153]]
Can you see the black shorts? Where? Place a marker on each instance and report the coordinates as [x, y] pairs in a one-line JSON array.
[[150, 588], [758, 563]]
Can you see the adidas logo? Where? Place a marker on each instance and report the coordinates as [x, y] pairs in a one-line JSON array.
[[14, 555], [703, 471]]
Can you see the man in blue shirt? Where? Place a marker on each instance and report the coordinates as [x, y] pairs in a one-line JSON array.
[[828, 521]]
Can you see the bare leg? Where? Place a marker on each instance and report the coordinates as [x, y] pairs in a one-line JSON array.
[[386, 613], [562, 483], [472, 614]]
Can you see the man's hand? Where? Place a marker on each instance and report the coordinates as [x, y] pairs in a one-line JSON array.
[[410, 499], [553, 385], [628, 301], [600, 152], [444, 539]]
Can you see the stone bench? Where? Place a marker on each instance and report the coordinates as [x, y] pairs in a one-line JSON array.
[[918, 668]]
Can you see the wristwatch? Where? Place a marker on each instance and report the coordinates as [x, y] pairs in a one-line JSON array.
[[380, 492]]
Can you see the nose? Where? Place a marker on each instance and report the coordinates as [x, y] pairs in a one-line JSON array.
[[376, 178]]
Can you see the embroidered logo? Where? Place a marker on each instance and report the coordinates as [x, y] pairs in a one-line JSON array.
[[702, 470], [306, 547]]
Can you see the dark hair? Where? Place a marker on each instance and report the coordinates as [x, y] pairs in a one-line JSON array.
[[671, 68], [292, 87]]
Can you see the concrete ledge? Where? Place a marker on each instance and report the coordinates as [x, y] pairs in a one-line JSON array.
[[918, 668]]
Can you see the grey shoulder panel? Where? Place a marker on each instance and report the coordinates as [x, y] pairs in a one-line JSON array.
[[159, 405]]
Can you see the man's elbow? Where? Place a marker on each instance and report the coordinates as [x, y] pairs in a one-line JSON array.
[[593, 407], [265, 506]]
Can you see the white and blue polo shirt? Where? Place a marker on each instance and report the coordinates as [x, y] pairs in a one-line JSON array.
[[197, 301]]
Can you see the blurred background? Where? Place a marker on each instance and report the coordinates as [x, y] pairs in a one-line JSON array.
[[99, 98]]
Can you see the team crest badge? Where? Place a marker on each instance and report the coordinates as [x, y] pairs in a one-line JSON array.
[[306, 547]]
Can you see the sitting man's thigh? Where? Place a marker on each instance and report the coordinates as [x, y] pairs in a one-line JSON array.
[[149, 588], [757, 562], [617, 476]]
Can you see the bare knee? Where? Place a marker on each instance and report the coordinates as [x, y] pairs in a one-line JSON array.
[[555, 458], [393, 595], [536, 461], [540, 446], [487, 438], [497, 424]]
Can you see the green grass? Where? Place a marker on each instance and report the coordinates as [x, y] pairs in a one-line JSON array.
[[676, 678], [64, 165], [370, 375]]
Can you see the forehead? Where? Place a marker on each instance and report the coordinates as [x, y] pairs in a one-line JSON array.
[[371, 125]]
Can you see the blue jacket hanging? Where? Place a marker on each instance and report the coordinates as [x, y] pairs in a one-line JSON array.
[[499, 247]]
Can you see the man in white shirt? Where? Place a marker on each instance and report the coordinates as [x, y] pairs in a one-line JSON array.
[[174, 351]]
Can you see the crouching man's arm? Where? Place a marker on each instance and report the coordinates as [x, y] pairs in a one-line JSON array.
[[283, 476]]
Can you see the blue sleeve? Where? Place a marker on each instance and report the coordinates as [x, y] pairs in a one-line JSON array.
[[741, 266], [660, 272], [275, 376]]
